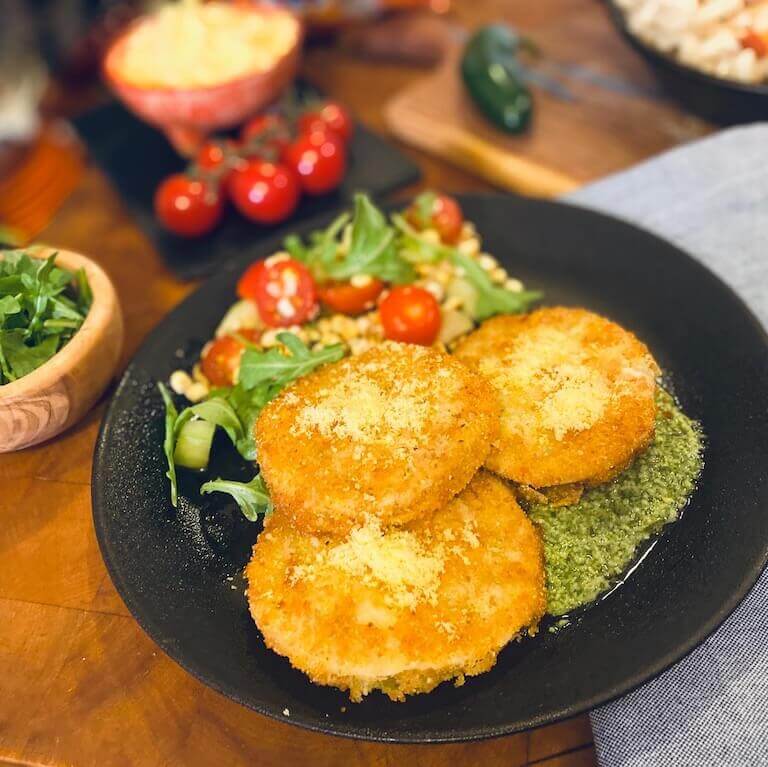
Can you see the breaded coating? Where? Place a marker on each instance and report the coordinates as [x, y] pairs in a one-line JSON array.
[[576, 390], [402, 609], [394, 432]]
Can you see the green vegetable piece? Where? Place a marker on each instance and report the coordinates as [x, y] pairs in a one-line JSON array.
[[275, 368], [169, 441], [22, 359], [424, 205], [41, 308], [369, 247], [491, 299], [193, 444], [495, 78], [414, 248], [252, 497]]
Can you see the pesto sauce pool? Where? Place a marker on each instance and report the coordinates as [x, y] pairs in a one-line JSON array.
[[589, 545]]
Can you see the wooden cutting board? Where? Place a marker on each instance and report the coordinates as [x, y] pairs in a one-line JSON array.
[[616, 113]]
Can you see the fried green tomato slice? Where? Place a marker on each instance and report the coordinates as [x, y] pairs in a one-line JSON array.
[[394, 432], [576, 391], [401, 609]]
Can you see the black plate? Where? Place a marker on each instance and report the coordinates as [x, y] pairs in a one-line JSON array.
[[722, 101], [178, 572], [136, 157]]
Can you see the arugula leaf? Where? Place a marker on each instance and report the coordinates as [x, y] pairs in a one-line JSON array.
[[247, 404], [367, 247], [219, 411], [491, 299], [84, 292], [216, 411], [414, 248], [23, 359], [169, 442], [8, 305], [274, 367], [252, 497], [41, 308], [424, 205]]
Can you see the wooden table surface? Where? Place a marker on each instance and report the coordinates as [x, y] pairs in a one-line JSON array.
[[80, 682]]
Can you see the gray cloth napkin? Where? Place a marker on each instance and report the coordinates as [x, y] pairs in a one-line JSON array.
[[710, 198]]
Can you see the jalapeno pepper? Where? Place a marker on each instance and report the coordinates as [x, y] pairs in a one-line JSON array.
[[495, 78]]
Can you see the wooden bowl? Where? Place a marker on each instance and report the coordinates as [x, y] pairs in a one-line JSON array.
[[186, 116], [56, 395]]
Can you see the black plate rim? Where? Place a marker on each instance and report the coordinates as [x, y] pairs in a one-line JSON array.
[[588, 703], [662, 59]]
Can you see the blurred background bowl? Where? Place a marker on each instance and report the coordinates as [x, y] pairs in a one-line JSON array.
[[722, 101], [186, 116]]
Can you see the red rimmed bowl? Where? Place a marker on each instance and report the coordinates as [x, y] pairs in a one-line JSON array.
[[186, 116]]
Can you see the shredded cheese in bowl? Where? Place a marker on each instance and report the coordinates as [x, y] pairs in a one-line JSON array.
[[189, 45]]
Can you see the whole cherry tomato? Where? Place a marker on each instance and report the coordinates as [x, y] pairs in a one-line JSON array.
[[211, 155], [350, 298], [187, 207], [263, 191], [332, 114], [319, 159], [266, 131], [215, 159], [222, 357], [410, 314], [283, 289], [446, 217]]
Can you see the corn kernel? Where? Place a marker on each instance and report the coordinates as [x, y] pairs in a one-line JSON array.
[[487, 261], [360, 280], [435, 288], [180, 381], [196, 391]]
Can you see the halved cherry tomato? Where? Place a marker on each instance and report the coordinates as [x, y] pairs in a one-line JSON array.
[[332, 114], [187, 207], [346, 298], [319, 159], [283, 289], [410, 314], [222, 358], [263, 191], [446, 217], [268, 131]]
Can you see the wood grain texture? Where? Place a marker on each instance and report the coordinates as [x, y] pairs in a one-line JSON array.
[[616, 116], [56, 395], [81, 683]]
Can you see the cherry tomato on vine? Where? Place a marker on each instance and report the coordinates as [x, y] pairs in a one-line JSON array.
[[410, 314], [283, 290], [349, 298], [268, 131], [263, 191], [221, 360], [446, 217], [319, 159], [187, 207], [331, 114], [214, 157]]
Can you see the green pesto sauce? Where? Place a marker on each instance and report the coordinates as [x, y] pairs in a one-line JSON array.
[[588, 546]]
